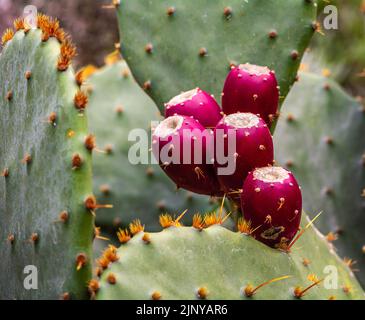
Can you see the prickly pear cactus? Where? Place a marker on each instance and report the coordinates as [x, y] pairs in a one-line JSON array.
[[329, 165], [174, 46], [186, 263], [45, 167], [118, 105]]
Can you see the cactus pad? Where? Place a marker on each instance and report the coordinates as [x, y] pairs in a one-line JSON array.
[[46, 168], [215, 263], [174, 46], [330, 162]]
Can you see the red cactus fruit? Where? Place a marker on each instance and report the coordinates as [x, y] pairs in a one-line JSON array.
[[247, 144], [251, 88], [197, 103], [184, 148], [272, 201]]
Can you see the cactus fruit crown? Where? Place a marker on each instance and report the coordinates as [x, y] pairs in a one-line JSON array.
[[241, 120], [169, 126], [254, 69], [195, 103], [187, 95], [45, 163], [271, 174]]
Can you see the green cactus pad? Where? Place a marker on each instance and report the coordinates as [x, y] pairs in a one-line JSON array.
[[174, 46], [43, 184], [329, 125], [118, 105], [215, 263]]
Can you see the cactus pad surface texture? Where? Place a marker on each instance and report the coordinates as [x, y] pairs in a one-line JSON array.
[[45, 167], [174, 46], [320, 138], [216, 263]]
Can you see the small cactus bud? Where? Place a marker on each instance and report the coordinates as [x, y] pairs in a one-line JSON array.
[[146, 238], [111, 278], [147, 85], [227, 12], [90, 143], [11, 238], [148, 48], [93, 286], [34, 237], [156, 295], [28, 75], [9, 95], [170, 11], [65, 296], [273, 34], [5, 172], [76, 161], [202, 293], [203, 52], [80, 100], [81, 260], [294, 54], [63, 216]]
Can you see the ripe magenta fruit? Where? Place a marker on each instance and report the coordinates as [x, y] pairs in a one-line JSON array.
[[251, 88], [184, 149], [272, 201], [197, 103], [247, 143]]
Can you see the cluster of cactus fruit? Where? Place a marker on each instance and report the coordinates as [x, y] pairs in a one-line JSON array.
[[196, 135], [47, 207]]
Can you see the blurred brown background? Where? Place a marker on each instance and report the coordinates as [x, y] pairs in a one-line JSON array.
[[92, 27]]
